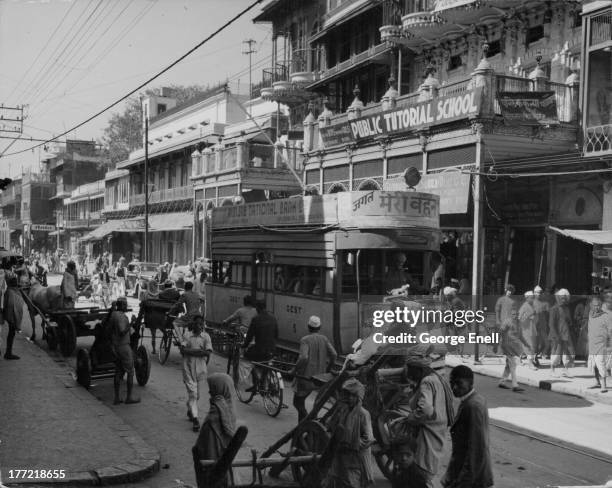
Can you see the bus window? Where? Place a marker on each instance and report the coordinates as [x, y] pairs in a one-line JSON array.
[[248, 275], [280, 281], [237, 274], [329, 282]]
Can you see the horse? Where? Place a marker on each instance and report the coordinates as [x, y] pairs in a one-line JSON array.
[[42, 300]]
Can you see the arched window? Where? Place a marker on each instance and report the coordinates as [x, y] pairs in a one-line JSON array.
[[337, 188], [368, 185]]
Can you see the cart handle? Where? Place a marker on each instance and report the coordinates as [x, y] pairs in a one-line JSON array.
[[265, 462]]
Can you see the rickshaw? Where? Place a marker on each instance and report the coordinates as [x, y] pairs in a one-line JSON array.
[[98, 362], [382, 376]]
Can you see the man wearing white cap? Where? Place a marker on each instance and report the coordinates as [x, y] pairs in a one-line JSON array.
[[527, 319], [317, 356], [541, 307], [560, 336]]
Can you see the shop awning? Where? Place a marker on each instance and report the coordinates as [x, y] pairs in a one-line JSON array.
[[601, 237], [131, 225], [170, 221]]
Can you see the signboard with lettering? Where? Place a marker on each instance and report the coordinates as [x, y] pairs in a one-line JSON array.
[[405, 118], [315, 210], [360, 209], [452, 187], [42, 228], [383, 209], [5, 234], [336, 135], [528, 108]]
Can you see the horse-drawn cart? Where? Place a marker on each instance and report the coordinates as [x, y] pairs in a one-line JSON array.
[[98, 362], [61, 327]]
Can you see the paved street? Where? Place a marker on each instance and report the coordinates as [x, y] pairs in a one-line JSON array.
[[520, 459]]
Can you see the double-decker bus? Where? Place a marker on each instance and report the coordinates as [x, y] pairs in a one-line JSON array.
[[335, 256]]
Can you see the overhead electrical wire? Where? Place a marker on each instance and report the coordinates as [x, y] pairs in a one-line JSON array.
[[142, 85], [48, 43], [85, 46], [39, 76]]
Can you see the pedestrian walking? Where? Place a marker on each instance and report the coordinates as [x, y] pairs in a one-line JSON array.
[[560, 336], [349, 450], [598, 325], [470, 463], [527, 320], [196, 349], [13, 314], [69, 285], [429, 414], [120, 329], [120, 273], [218, 427], [505, 305], [316, 356], [512, 347], [541, 307]]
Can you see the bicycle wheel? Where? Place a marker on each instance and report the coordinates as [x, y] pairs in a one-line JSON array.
[[243, 380], [164, 348], [272, 392]]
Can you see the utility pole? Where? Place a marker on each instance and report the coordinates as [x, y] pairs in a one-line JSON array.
[[249, 50], [145, 116]]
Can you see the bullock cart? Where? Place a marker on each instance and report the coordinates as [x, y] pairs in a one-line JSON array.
[[98, 362]]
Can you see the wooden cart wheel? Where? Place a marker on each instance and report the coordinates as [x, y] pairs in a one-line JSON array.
[[68, 336], [52, 338], [311, 437], [83, 368], [142, 365]]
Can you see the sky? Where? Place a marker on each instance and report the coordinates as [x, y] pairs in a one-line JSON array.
[[67, 59]]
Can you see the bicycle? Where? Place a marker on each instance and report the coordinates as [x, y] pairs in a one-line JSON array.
[[270, 384], [168, 338]]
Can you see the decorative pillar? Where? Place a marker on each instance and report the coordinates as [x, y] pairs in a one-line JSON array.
[[241, 152], [389, 99], [207, 154], [538, 77], [572, 91], [278, 157], [324, 120], [430, 86], [196, 163], [354, 111], [309, 129], [484, 77], [218, 149]]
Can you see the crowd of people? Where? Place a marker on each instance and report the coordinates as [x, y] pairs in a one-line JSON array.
[[554, 328]]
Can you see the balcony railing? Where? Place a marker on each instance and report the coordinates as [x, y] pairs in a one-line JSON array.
[[598, 139], [160, 196], [64, 188], [280, 72], [356, 59]]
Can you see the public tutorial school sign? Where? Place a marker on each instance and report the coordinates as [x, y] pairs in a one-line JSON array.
[[405, 118], [359, 209]]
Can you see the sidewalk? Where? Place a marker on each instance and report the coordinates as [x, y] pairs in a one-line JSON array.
[[49, 422], [578, 383], [582, 419]]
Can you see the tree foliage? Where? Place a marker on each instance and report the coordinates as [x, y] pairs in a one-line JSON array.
[[123, 134]]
